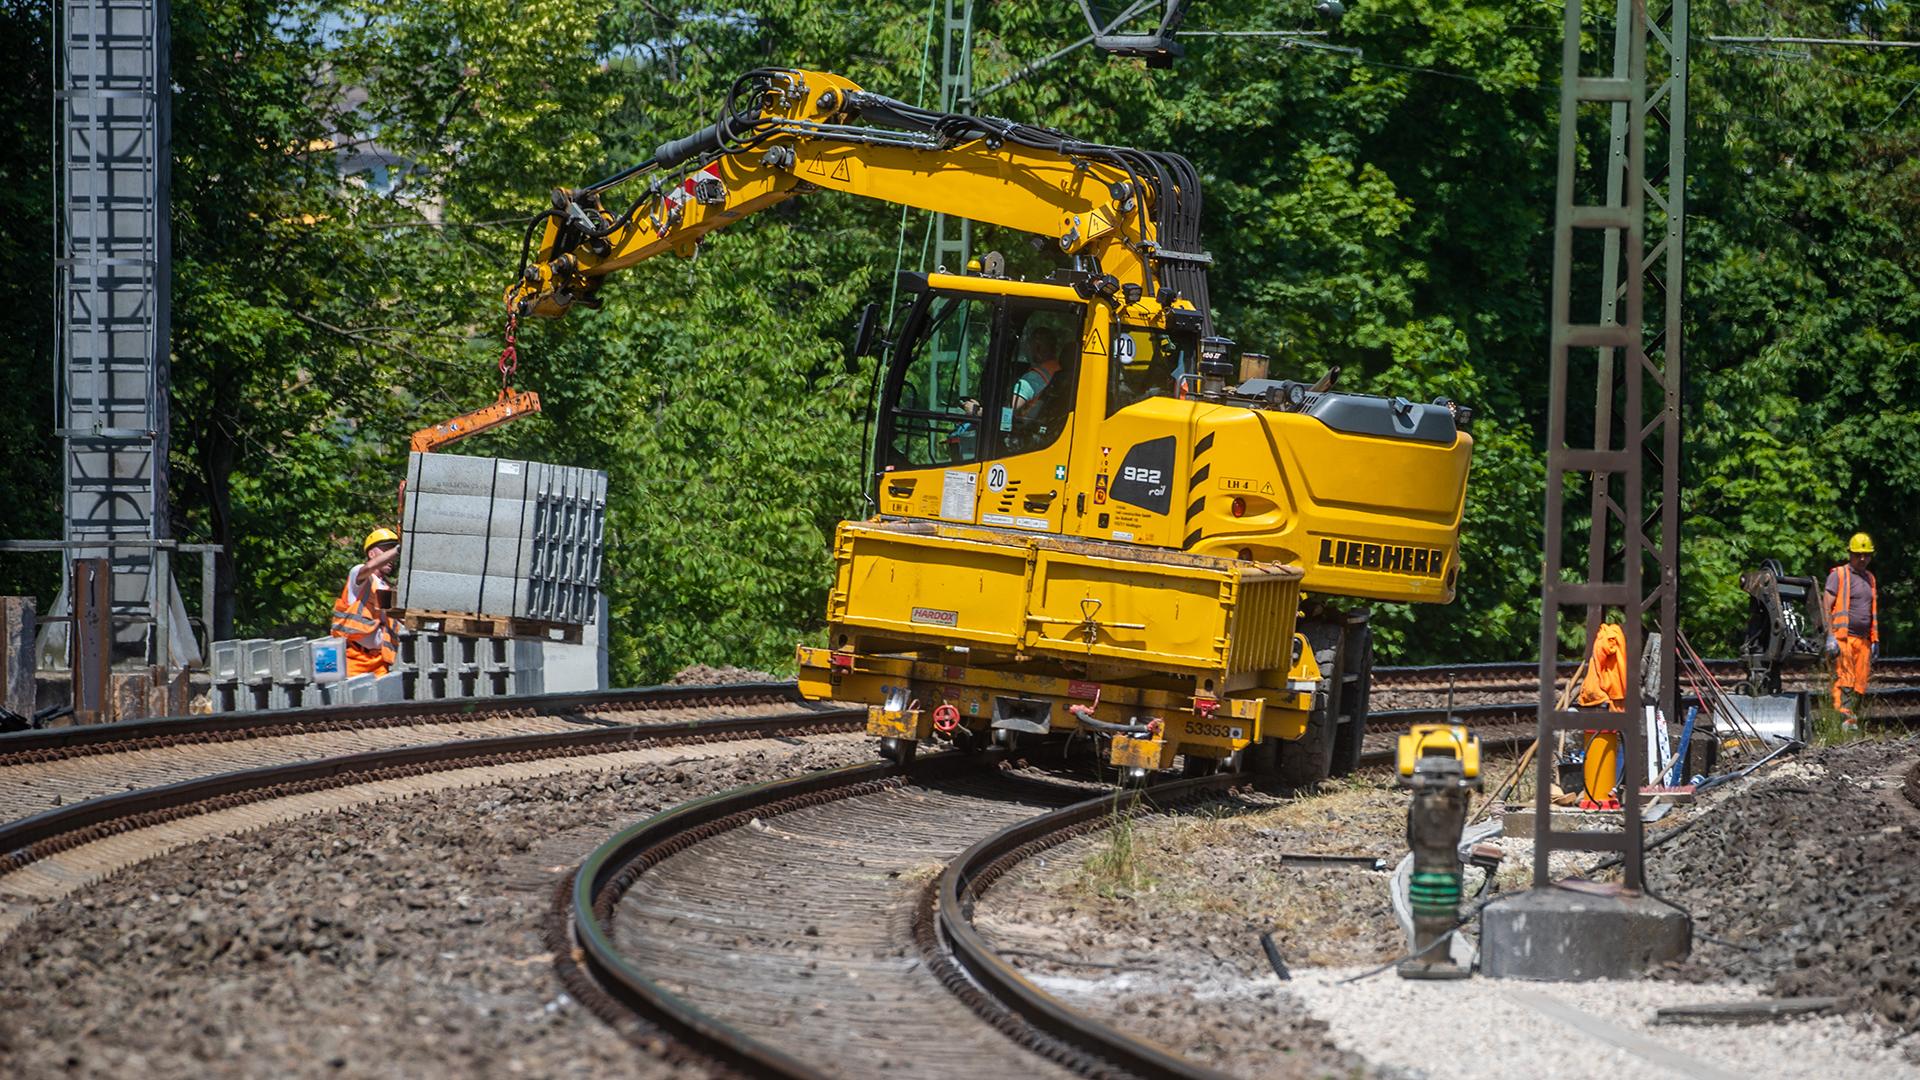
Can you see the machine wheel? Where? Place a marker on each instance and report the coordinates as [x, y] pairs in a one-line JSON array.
[[1357, 671], [899, 751], [1308, 760]]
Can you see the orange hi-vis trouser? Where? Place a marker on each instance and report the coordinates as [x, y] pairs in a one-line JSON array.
[[1854, 663], [1850, 669]]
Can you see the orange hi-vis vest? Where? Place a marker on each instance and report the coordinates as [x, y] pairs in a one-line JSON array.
[[1843, 601], [368, 630]]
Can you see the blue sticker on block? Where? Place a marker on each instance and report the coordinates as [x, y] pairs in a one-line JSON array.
[[326, 661]]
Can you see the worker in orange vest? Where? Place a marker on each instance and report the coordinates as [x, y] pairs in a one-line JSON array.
[[360, 614], [1853, 626]]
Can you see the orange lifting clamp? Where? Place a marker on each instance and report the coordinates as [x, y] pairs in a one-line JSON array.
[[509, 406]]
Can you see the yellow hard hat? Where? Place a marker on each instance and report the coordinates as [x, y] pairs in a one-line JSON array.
[[382, 535], [1861, 544]]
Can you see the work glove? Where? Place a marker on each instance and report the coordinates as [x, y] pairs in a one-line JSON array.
[[1873, 650], [1833, 646]]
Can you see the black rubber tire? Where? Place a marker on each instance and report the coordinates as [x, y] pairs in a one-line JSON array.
[[1308, 760], [1350, 741]]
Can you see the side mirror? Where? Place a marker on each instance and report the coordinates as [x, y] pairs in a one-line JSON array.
[[864, 337]]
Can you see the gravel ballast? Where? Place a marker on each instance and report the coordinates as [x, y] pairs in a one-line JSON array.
[[400, 939]]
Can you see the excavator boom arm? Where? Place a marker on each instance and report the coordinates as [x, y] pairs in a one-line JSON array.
[[1131, 213]]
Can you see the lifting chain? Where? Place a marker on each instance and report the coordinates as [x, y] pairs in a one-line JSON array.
[[509, 355]]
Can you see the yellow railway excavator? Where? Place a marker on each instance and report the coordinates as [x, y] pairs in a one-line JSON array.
[[1089, 519]]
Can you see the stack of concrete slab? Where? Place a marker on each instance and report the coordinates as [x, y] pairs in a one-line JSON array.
[[504, 538]]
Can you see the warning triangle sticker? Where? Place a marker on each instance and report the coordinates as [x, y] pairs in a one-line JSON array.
[[841, 172], [1267, 489], [1098, 342], [816, 166]]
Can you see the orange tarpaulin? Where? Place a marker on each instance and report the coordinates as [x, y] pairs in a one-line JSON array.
[[1606, 682]]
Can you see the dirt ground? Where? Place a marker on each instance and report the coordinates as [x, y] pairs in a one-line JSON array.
[[1156, 927], [1803, 880], [399, 939]]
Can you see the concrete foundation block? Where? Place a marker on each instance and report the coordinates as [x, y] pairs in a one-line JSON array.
[[388, 688], [224, 697], [257, 659], [228, 658], [287, 695], [292, 660], [1560, 935], [354, 690]]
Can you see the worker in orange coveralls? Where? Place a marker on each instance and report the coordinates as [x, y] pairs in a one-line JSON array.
[[360, 614], [1606, 681], [1853, 626]]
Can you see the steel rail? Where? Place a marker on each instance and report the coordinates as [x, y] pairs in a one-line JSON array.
[[966, 878], [264, 723], [33, 838], [614, 867], [1525, 674], [617, 864]]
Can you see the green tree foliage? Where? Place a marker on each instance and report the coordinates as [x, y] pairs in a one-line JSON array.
[[352, 180]]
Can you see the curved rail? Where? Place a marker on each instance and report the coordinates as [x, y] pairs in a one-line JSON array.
[[975, 871], [50, 743], [958, 955], [33, 838]]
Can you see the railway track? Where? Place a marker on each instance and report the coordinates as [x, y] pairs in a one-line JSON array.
[[43, 770], [821, 926], [56, 851], [1524, 675]]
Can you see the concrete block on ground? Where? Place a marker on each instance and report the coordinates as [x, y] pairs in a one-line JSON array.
[[228, 658], [354, 690], [18, 694], [224, 697], [292, 660], [1521, 823], [1560, 935], [389, 688], [256, 661], [496, 654], [580, 667], [292, 695], [524, 682]]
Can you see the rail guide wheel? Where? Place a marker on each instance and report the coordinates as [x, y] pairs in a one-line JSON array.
[[899, 751]]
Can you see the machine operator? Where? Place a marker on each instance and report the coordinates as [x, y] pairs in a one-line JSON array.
[[360, 614], [1853, 626]]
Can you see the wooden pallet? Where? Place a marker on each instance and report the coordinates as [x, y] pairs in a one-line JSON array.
[[472, 624]]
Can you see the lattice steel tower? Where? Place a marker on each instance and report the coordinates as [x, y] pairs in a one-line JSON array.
[[112, 258]]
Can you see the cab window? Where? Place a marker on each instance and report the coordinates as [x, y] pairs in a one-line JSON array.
[[1147, 363], [937, 415], [1033, 398]]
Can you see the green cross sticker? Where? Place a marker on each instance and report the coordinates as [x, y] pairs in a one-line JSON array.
[[1059, 472]]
